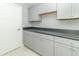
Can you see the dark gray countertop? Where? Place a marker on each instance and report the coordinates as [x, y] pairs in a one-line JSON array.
[[69, 34]]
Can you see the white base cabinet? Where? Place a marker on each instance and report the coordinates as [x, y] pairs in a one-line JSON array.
[[40, 45], [27, 39], [44, 47], [47, 45], [66, 47]]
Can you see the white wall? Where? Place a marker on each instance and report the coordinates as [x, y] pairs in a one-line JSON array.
[[50, 21], [10, 22]]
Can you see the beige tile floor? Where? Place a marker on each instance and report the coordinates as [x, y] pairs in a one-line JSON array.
[[23, 51]]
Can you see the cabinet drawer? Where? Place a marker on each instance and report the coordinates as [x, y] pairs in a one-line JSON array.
[[63, 40], [41, 35], [46, 36]]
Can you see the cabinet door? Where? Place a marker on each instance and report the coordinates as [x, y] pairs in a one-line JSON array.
[[63, 10], [24, 37], [75, 48], [27, 39], [47, 47], [33, 14], [38, 46], [47, 7], [75, 52], [62, 50], [75, 9], [44, 46]]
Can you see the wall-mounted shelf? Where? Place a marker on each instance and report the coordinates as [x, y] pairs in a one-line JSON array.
[[47, 13], [68, 18]]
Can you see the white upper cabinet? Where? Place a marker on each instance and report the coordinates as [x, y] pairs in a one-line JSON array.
[[68, 11], [33, 14], [35, 11], [47, 7], [75, 10], [63, 10]]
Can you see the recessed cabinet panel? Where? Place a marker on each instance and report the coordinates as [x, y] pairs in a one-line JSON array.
[[75, 44], [47, 7], [33, 14], [62, 50], [63, 10], [44, 47], [47, 47], [27, 40], [75, 52], [75, 9]]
